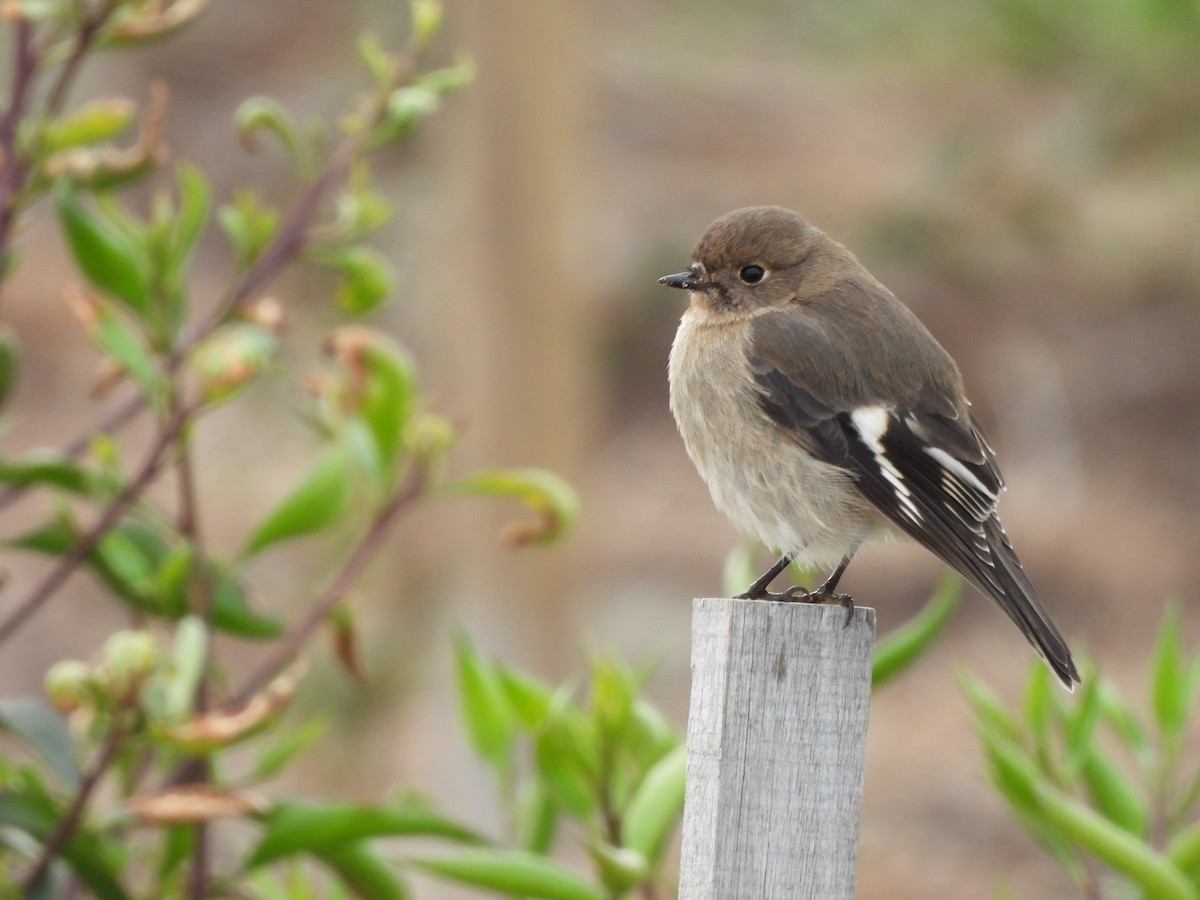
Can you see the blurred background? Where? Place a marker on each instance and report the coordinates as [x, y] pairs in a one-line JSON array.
[[1025, 175]]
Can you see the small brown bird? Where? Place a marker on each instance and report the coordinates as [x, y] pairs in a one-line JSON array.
[[822, 414]]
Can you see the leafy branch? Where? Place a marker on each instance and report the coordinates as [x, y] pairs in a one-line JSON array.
[[151, 708]]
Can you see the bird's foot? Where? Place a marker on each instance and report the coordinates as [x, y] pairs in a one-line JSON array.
[[845, 601], [797, 594], [794, 594]]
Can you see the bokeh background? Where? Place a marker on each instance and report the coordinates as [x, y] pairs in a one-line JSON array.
[[1025, 175]]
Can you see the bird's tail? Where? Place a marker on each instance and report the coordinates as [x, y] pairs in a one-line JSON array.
[[1019, 599]]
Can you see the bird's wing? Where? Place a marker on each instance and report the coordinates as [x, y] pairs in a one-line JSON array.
[[910, 445]]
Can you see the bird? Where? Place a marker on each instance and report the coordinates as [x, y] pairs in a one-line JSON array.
[[823, 415]]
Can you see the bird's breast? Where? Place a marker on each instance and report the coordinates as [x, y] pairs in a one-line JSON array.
[[769, 487]]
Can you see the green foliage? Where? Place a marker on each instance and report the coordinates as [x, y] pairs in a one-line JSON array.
[[111, 787], [900, 648], [1098, 784], [606, 763], [109, 257]]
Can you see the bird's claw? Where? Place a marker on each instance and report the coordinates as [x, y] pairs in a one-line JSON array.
[[797, 594], [794, 594]]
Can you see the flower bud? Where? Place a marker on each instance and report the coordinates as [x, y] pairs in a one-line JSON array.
[[129, 658], [68, 684]]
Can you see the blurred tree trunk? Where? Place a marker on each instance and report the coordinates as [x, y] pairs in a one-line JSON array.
[[516, 306]]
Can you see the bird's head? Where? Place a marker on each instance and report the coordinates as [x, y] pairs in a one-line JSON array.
[[752, 258]]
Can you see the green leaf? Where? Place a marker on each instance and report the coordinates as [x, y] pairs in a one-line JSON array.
[[510, 872], [1183, 850], [1169, 682], [130, 551], [990, 715], [92, 123], [123, 557], [1017, 779], [45, 732], [388, 395], [10, 362], [613, 688], [363, 870], [565, 753], [232, 613], [366, 278], [301, 827], [537, 818], [249, 224], [426, 21], [275, 756], [118, 341], [111, 261], [485, 710], [553, 501], [656, 805], [452, 78], [529, 698], [259, 114], [91, 859], [1013, 773], [1112, 793], [653, 737], [619, 868], [899, 649], [1039, 704], [1117, 712], [380, 64], [230, 358], [46, 467], [195, 204], [1153, 872], [178, 842], [406, 107], [1081, 723], [185, 668], [120, 559], [315, 504]]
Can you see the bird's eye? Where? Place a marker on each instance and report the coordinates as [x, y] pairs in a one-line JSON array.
[[752, 274]]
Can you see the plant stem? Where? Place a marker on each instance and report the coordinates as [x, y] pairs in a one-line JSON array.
[[16, 167], [155, 459], [290, 645], [200, 601], [110, 423], [288, 242], [13, 168], [197, 878], [84, 38], [70, 821]]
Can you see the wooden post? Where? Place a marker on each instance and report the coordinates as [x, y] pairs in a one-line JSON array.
[[776, 739]]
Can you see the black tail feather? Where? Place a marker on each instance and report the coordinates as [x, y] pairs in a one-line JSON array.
[[1019, 599]]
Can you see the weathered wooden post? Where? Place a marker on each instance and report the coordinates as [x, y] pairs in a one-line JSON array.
[[775, 743]]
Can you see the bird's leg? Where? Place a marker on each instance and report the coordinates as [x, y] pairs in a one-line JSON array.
[[827, 592], [758, 590]]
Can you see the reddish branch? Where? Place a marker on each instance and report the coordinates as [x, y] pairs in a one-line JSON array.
[[66, 826], [16, 166], [289, 646], [13, 167], [153, 464]]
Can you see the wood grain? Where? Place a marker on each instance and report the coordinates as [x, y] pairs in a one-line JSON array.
[[776, 739]]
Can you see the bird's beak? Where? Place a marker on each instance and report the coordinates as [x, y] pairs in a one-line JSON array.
[[687, 281]]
